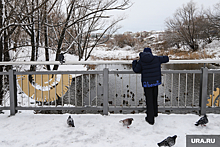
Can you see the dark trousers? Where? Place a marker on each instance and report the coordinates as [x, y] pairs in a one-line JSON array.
[[151, 94]]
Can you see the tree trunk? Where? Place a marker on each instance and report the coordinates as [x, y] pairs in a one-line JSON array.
[[1, 69], [5, 42], [62, 35], [33, 67], [1, 49], [38, 32], [46, 36]]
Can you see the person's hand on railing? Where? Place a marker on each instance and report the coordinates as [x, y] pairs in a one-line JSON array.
[[137, 58]]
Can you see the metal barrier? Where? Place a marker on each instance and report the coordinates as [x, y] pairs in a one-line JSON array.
[[109, 90]]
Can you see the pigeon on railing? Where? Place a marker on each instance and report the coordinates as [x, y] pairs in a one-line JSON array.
[[202, 121], [169, 141], [127, 122], [70, 121]]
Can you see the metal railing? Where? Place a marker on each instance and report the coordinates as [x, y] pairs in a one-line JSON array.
[[109, 90]]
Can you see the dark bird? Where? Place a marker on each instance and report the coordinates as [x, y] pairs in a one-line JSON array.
[[167, 99], [127, 122], [61, 58], [202, 121], [70, 121], [169, 141]]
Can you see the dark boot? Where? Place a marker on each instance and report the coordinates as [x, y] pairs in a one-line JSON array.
[[151, 123]]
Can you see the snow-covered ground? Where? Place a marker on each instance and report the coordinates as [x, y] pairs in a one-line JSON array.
[[130, 53], [26, 129], [214, 48]]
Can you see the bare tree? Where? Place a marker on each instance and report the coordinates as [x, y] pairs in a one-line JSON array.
[[185, 23], [94, 23], [40, 20], [207, 33], [85, 17], [171, 38], [13, 16], [213, 16], [36, 20]]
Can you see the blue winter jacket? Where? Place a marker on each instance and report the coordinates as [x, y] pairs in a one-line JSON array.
[[150, 68]]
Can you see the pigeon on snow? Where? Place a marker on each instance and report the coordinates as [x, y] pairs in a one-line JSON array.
[[70, 121], [202, 121], [169, 141], [127, 122]]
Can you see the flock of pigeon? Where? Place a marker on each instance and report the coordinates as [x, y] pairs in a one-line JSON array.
[[168, 142]]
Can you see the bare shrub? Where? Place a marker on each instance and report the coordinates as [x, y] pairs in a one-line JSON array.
[[185, 55], [122, 40]]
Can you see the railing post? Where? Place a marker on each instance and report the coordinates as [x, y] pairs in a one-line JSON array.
[[203, 90], [106, 91], [13, 92]]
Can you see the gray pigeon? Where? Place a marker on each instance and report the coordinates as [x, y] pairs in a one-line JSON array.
[[169, 141], [202, 121], [70, 121], [127, 122]]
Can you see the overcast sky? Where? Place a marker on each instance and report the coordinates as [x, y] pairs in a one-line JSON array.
[[147, 15]]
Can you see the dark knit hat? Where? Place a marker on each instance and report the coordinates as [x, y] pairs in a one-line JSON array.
[[147, 50]]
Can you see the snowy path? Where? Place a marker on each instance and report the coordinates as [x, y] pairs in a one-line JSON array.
[[92, 130]]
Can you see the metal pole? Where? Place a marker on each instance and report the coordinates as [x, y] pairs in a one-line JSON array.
[[13, 92], [179, 91], [96, 91], [122, 90], [4, 88], [62, 87], [128, 95], [75, 92], [35, 94], [115, 91], [48, 99], [82, 90], [106, 92], [136, 93], [89, 92], [69, 89], [203, 90], [193, 90], [42, 96], [22, 97], [164, 89], [186, 90], [171, 97], [55, 90], [213, 85], [28, 90]]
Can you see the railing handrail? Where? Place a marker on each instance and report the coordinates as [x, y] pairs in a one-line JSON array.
[[106, 62]]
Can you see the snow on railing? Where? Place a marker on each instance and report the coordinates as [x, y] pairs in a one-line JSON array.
[[106, 62]]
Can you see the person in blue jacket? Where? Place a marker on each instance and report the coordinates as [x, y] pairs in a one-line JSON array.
[[150, 68]]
